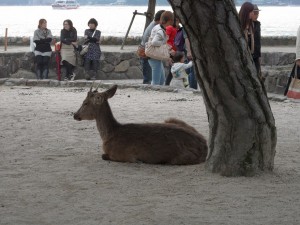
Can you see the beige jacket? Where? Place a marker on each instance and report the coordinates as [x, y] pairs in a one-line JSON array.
[[298, 45]]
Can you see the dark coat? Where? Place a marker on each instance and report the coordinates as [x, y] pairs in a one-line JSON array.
[[257, 37], [68, 36]]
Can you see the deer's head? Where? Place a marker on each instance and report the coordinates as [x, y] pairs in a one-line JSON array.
[[92, 102]]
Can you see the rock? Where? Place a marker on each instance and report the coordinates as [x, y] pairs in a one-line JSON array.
[[107, 68], [24, 74], [122, 67], [134, 72]]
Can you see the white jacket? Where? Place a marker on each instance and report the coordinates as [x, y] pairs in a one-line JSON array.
[[158, 36], [298, 45], [178, 70]]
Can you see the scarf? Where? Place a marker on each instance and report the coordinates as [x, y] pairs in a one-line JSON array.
[[41, 34]]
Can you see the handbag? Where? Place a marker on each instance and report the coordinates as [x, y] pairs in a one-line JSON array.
[[85, 48], [141, 52], [294, 88], [157, 52]]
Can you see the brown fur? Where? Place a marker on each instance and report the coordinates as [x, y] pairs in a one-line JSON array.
[[173, 142]]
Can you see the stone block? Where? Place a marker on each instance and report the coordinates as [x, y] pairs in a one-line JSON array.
[[122, 67], [15, 82], [117, 76], [24, 74], [106, 67], [54, 83], [31, 83], [112, 58], [14, 65], [134, 72], [101, 75], [80, 83], [43, 83], [135, 62], [4, 72], [3, 80], [127, 56]]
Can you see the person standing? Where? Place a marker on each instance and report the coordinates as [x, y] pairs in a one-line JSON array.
[[257, 40], [171, 32], [251, 34], [42, 38], [158, 38], [92, 57], [147, 73], [296, 65], [68, 38], [192, 78]]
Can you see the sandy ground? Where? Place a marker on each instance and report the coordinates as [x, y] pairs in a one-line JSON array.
[[51, 171]]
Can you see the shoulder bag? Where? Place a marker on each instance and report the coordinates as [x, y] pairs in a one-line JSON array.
[[85, 48], [294, 88], [141, 51], [157, 52]]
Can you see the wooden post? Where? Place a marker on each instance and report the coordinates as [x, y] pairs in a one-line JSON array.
[[5, 40], [134, 13]]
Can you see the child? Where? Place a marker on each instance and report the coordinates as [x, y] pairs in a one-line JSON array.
[[178, 70]]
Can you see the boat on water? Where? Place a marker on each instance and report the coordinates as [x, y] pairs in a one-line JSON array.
[[65, 4], [119, 2]]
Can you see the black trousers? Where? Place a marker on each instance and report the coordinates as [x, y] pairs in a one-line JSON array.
[[69, 68], [42, 66], [91, 65], [257, 65]]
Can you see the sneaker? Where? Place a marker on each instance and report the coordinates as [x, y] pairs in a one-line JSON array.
[[72, 77], [66, 78]]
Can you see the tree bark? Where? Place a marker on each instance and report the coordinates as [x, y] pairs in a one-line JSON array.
[[150, 12], [242, 132]]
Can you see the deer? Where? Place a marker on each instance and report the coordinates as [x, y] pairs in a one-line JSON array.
[[173, 142]]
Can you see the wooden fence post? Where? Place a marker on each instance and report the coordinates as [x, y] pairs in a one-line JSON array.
[[5, 39]]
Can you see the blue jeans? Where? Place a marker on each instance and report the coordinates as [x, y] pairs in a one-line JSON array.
[[158, 72], [192, 78], [147, 72]]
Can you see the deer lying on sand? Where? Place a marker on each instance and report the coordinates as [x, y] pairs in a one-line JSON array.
[[173, 142]]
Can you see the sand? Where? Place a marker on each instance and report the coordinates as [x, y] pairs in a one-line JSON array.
[[51, 171]]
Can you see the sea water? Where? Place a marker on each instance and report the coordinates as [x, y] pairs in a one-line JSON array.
[[115, 20]]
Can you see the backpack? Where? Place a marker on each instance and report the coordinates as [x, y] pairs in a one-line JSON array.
[[179, 40]]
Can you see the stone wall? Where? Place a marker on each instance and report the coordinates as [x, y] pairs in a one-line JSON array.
[[109, 40], [276, 67], [112, 66]]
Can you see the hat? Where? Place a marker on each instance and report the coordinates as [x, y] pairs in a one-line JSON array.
[[255, 8]]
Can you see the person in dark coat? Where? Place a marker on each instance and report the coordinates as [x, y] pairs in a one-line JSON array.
[[257, 37], [92, 57]]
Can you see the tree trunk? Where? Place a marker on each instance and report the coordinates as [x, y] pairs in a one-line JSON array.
[[150, 12], [242, 132]]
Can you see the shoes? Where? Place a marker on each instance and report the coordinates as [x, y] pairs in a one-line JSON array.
[[72, 77], [66, 78]]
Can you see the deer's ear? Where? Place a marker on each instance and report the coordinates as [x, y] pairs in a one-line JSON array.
[[110, 92]]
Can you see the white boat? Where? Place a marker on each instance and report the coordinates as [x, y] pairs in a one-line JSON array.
[[65, 4], [119, 2]]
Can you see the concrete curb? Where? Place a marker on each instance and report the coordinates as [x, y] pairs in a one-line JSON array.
[[106, 84]]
